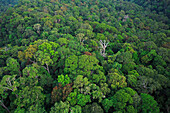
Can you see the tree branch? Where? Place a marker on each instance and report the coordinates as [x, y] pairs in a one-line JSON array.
[[2, 104]]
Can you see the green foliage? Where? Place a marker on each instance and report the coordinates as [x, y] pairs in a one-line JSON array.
[[30, 76], [124, 57], [72, 98], [46, 79], [83, 99], [87, 64], [104, 88], [43, 58], [81, 84], [123, 100], [71, 64], [13, 66], [8, 83], [61, 107], [148, 104], [63, 79], [27, 96], [49, 47], [19, 110], [82, 54], [62, 41], [128, 67], [37, 108], [106, 103], [76, 109], [93, 108], [115, 80], [5, 4], [148, 57], [132, 78], [147, 85]]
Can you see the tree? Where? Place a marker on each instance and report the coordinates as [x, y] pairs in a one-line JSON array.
[[132, 78], [98, 77], [37, 28], [76, 48], [76, 109], [63, 79], [63, 42], [147, 85], [82, 84], [100, 36], [87, 65], [72, 97], [82, 99], [13, 66], [128, 67], [104, 88], [145, 71], [116, 80], [93, 108], [117, 66], [93, 44], [61, 107], [60, 92], [88, 34], [92, 50], [71, 64], [8, 83], [160, 38], [124, 57], [28, 96], [30, 77], [19, 110], [106, 103], [103, 45], [44, 59], [100, 27], [81, 38], [45, 79], [148, 104], [76, 97], [49, 47], [28, 32], [158, 60], [47, 54], [123, 100], [63, 54], [97, 93], [28, 53], [36, 109], [164, 53], [149, 57]]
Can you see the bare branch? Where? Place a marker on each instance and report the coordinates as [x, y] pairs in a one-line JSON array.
[[103, 45], [3, 105]]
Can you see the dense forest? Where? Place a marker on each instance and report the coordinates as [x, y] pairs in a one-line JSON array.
[[85, 56], [5, 4]]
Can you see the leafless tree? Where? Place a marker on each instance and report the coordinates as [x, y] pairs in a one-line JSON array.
[[103, 45]]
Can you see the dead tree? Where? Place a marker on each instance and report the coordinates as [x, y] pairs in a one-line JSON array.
[[103, 45]]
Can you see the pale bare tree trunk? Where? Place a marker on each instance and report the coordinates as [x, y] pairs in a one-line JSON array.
[[47, 68], [103, 45], [2, 104]]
